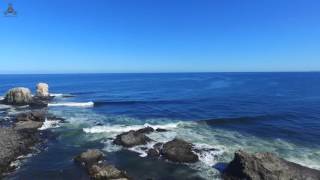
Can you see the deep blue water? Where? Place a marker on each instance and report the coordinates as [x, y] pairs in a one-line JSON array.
[[278, 112]]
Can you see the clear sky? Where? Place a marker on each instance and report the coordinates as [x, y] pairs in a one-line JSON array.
[[71, 36]]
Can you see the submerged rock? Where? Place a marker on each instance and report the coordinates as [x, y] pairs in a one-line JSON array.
[[90, 157], [18, 96], [161, 130], [179, 150], [42, 89], [266, 166], [97, 169], [131, 138]]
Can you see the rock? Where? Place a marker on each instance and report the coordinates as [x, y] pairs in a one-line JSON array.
[[90, 157], [40, 101], [146, 130], [158, 146], [153, 153], [161, 130], [42, 89], [179, 150], [39, 116], [12, 145], [266, 166], [28, 126], [131, 138], [107, 172], [18, 96]]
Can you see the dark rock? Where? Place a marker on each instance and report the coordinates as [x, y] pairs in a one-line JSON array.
[[90, 157], [55, 118], [153, 153], [131, 138], [40, 101], [38, 116], [179, 150], [104, 171], [13, 144], [146, 130], [158, 146], [161, 130], [266, 166]]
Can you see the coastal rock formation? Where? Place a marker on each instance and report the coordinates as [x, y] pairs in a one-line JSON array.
[[28, 126], [30, 121], [131, 138], [19, 137], [155, 151], [179, 150], [266, 166], [104, 171], [18, 96], [38, 116], [40, 101], [42, 89], [92, 159], [13, 144], [146, 130]]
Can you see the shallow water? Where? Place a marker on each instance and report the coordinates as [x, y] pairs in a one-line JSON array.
[[276, 112]]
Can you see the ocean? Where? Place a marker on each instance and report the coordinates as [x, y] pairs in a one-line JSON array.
[[255, 112]]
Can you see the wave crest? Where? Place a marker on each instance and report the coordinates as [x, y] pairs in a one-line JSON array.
[[125, 128], [73, 104]]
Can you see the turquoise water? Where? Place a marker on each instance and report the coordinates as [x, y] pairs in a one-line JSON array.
[[276, 112]]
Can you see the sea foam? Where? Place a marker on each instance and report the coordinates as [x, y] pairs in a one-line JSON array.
[[72, 104], [49, 124], [125, 128]]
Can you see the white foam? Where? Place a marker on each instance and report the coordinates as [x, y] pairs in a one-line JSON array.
[[72, 104], [56, 94], [3, 106], [49, 124], [125, 128], [207, 154], [60, 95]]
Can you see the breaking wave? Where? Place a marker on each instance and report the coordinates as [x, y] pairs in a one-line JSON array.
[[125, 128], [49, 124], [73, 104]]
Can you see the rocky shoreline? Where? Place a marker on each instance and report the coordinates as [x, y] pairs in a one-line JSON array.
[[19, 136], [23, 133]]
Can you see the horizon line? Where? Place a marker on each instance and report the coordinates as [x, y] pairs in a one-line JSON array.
[[67, 73]]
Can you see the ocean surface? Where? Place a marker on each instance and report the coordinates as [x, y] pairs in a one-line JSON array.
[[274, 112]]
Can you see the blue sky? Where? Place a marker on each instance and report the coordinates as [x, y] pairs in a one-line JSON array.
[[71, 36]]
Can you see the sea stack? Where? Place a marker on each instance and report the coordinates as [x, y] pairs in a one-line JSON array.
[[43, 89], [18, 96], [42, 97]]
